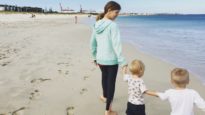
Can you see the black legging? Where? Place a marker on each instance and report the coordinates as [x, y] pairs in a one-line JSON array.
[[109, 74]]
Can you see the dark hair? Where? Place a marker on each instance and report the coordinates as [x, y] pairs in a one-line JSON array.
[[111, 5]]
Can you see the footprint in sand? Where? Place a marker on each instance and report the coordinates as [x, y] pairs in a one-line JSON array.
[[85, 78], [34, 95], [60, 71], [39, 80], [64, 63], [83, 91], [93, 69], [5, 64], [70, 110], [65, 72], [2, 56], [19, 111]]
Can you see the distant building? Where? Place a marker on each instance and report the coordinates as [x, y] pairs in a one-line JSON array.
[[20, 9], [2, 8], [66, 10], [31, 9]]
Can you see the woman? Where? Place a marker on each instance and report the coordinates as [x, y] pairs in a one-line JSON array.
[[107, 51]]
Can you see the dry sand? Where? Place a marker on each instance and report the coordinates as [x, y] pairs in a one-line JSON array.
[[46, 69]]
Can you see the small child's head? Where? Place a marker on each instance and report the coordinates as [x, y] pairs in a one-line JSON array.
[[137, 67], [180, 77]]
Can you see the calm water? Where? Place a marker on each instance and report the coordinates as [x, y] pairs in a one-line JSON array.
[[178, 39]]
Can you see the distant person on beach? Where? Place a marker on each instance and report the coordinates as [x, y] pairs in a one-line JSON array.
[[33, 15], [76, 19], [89, 16], [107, 51], [181, 99]]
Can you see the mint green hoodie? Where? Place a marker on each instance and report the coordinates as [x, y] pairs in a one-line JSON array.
[[106, 43]]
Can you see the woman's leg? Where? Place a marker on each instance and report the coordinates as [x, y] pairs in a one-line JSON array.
[[112, 74], [104, 80]]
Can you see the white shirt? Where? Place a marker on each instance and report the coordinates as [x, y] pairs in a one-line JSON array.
[[183, 101], [136, 88]]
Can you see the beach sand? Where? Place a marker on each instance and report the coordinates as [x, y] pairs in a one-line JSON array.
[[46, 69]]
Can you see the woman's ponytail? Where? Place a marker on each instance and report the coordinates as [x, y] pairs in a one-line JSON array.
[[100, 16]]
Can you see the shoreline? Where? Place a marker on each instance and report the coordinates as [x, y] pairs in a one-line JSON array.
[[48, 62], [198, 77], [160, 59]]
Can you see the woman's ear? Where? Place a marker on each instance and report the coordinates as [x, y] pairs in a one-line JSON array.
[[109, 10]]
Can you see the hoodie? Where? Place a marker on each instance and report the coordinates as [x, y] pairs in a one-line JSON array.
[[106, 43]]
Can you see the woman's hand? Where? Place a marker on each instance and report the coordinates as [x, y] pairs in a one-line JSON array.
[[95, 62]]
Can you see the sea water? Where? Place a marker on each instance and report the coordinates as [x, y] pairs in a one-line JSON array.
[[178, 39]]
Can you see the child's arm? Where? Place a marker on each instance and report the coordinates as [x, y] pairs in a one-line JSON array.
[[162, 96], [199, 101], [151, 93], [125, 73]]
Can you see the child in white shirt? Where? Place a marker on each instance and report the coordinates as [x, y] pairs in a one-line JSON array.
[[182, 99], [136, 88]]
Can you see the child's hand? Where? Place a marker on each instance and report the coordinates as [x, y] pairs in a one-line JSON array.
[[151, 93], [124, 69]]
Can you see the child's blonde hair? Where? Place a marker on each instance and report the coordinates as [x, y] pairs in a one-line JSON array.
[[137, 67], [180, 77]]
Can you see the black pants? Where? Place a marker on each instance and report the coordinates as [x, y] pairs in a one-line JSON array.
[[135, 109], [109, 74]]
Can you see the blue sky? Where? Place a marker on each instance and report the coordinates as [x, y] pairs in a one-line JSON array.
[[140, 6]]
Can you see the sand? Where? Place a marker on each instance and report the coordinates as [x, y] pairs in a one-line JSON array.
[[46, 69]]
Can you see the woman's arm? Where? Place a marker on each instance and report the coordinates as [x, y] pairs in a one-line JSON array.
[[93, 45], [116, 42]]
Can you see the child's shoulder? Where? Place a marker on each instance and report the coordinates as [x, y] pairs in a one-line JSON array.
[[190, 91], [169, 90]]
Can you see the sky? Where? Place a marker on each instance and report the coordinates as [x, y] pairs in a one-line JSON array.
[[137, 6]]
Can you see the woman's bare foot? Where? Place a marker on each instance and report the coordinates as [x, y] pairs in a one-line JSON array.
[[111, 113], [103, 99]]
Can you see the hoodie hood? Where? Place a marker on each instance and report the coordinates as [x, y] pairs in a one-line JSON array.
[[101, 25]]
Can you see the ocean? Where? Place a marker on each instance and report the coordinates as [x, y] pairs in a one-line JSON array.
[[177, 39]]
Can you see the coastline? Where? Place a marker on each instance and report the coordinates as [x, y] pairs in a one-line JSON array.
[[48, 62], [168, 62]]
